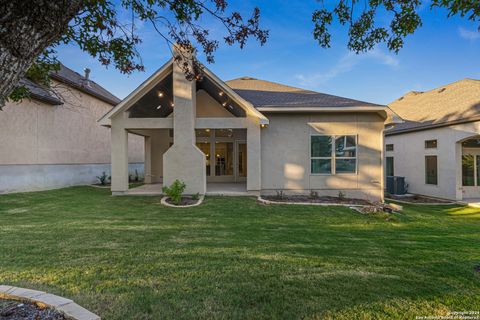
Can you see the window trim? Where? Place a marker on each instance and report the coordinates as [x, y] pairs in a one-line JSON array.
[[436, 169], [333, 157]]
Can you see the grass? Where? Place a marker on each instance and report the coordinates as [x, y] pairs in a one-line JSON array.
[[131, 258]]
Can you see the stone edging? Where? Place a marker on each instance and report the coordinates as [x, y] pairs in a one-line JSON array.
[[165, 203], [66, 306], [264, 201], [423, 203]]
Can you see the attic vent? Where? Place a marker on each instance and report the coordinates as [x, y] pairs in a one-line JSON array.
[[441, 90]]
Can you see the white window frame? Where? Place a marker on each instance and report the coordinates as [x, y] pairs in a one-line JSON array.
[[333, 157]]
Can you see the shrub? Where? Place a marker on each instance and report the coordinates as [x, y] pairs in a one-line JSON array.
[[313, 194], [196, 196], [175, 191], [341, 195], [103, 178], [280, 194]]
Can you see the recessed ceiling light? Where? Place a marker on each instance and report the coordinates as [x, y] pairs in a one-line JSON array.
[[224, 104], [220, 93], [160, 94], [172, 104], [159, 107]]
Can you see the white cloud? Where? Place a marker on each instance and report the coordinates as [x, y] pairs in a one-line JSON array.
[[346, 64], [469, 34]]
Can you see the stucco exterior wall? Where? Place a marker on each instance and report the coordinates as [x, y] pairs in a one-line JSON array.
[[409, 158], [286, 154], [35, 133]]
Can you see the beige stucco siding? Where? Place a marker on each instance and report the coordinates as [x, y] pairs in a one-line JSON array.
[[286, 154], [409, 158], [32, 132]]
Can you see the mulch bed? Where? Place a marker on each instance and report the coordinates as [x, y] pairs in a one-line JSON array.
[[417, 199], [186, 201], [325, 200], [22, 310]]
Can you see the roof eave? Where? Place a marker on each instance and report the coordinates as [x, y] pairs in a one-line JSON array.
[[301, 109]]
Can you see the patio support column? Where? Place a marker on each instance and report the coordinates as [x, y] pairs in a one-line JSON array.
[[254, 155], [119, 159], [458, 170], [184, 161], [148, 160]]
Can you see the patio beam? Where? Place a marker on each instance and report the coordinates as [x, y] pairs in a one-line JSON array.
[[221, 123], [147, 123]]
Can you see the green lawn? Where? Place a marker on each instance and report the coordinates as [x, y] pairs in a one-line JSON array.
[[131, 258]]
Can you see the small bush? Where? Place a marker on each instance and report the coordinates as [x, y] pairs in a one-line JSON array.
[[175, 191], [341, 195], [103, 178], [313, 194], [280, 194], [196, 196]]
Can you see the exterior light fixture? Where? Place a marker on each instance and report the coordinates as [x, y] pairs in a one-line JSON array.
[[160, 94], [263, 126], [159, 107], [231, 107], [220, 93], [207, 130], [224, 104], [172, 104]]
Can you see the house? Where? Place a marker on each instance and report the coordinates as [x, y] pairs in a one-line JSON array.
[[261, 136], [265, 136], [53, 139], [437, 148]]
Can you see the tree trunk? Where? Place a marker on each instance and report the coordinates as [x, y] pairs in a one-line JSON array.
[[27, 28]]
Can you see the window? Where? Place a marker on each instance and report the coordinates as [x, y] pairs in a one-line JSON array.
[[431, 169], [333, 154], [389, 147], [468, 170], [321, 154], [389, 167], [430, 144]]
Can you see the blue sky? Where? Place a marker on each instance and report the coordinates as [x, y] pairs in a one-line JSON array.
[[442, 51]]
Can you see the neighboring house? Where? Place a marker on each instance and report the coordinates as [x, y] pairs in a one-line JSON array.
[[53, 139], [263, 135], [437, 148]]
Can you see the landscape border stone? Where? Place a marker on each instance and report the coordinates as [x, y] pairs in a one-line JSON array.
[[66, 306]]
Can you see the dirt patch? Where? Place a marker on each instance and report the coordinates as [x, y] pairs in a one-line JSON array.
[[324, 200], [417, 199], [16, 310], [186, 201]]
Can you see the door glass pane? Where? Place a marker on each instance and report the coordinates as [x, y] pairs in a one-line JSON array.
[[224, 133], [389, 167], [468, 170], [431, 169], [242, 159], [202, 133], [224, 158], [321, 166], [345, 146], [321, 146], [205, 147], [478, 171]]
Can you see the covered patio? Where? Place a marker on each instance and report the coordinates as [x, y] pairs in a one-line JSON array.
[[200, 132]]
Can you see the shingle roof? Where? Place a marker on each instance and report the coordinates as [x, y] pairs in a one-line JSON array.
[[72, 78], [263, 93], [38, 92], [456, 102]]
